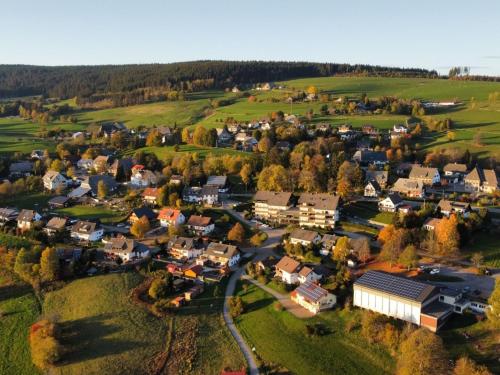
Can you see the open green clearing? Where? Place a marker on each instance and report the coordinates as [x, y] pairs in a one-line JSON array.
[[33, 201], [486, 244], [280, 339], [91, 213], [369, 211], [105, 332], [168, 151], [20, 309]]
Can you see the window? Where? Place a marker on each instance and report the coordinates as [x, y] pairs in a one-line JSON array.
[[441, 298]]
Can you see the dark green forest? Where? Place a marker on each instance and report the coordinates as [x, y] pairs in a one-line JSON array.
[[85, 81]]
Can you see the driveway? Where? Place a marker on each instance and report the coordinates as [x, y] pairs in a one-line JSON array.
[[285, 300], [245, 349]]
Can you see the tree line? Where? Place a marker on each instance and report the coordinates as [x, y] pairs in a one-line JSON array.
[[84, 81]]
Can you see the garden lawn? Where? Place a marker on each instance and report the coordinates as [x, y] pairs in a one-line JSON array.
[[33, 201], [369, 211], [280, 339], [168, 151], [90, 213], [20, 310], [103, 330], [487, 244]]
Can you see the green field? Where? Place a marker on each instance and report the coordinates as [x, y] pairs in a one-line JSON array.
[[168, 151], [280, 339], [91, 213], [20, 309], [104, 331], [486, 244], [34, 201], [369, 211]]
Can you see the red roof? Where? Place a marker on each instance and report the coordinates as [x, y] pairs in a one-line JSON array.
[[150, 192], [138, 167], [199, 221], [241, 372], [169, 214], [197, 269]]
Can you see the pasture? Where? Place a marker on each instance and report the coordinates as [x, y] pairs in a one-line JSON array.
[[104, 331], [280, 339]]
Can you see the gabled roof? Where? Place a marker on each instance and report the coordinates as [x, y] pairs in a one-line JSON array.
[[371, 156], [124, 246], [59, 200], [170, 214], [419, 172], [397, 286], [446, 205], [20, 167], [8, 213], [455, 167], [320, 201], [26, 215], [305, 271], [209, 190], [304, 234], [311, 292], [221, 250], [199, 221], [150, 192], [93, 181], [288, 265], [79, 192], [404, 184], [375, 185], [144, 211], [84, 227], [56, 223], [219, 181], [395, 198], [51, 175], [179, 242], [273, 198], [431, 222]]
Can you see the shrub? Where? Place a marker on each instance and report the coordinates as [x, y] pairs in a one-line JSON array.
[[236, 306], [278, 306], [317, 329], [45, 348]]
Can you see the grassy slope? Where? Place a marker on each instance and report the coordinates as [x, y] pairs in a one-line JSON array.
[[280, 338], [106, 333], [20, 309]]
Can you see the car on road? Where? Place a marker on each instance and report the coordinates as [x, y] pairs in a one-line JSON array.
[[466, 289], [434, 271]]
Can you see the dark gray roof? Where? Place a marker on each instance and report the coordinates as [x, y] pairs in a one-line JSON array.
[[59, 200], [311, 291], [397, 286]]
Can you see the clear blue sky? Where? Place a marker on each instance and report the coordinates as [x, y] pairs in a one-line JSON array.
[[433, 34]]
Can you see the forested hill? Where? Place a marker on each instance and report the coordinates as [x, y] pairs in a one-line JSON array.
[[71, 81]]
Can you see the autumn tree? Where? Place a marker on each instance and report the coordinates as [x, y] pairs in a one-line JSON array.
[[341, 250], [364, 252], [494, 301], [409, 257], [45, 347], [158, 289], [422, 353], [264, 145], [349, 179], [140, 227], [477, 259], [392, 248], [185, 136], [153, 138], [246, 174], [102, 189], [236, 306], [447, 236], [274, 178], [237, 233], [49, 265], [466, 366], [386, 233]]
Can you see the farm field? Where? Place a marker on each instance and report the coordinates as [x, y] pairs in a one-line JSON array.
[[279, 339], [107, 334], [20, 309], [87, 212]]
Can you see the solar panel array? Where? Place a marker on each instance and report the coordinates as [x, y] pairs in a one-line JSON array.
[[311, 291], [395, 285]]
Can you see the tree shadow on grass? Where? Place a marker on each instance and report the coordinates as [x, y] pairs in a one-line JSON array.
[[13, 291], [259, 304], [86, 339]]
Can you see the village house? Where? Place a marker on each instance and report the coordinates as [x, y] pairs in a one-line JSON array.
[[142, 178], [7, 215], [425, 175], [59, 201], [269, 205], [370, 130], [391, 203], [139, 213], [125, 164], [26, 218], [86, 231], [166, 133], [101, 163], [328, 242], [372, 189], [399, 128], [126, 249], [304, 237], [220, 182], [410, 188], [195, 271], [307, 274], [92, 183], [208, 195], [170, 216], [150, 196], [287, 269], [21, 169], [413, 301], [200, 225], [224, 137], [366, 158], [37, 155], [380, 176], [447, 207], [86, 164], [344, 128], [184, 247], [176, 179], [318, 210], [481, 180], [194, 291], [222, 254], [55, 225], [53, 180], [455, 172], [313, 297], [431, 223]]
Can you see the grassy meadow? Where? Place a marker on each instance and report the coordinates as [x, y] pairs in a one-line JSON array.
[[104, 332], [20, 310], [280, 339], [88, 212]]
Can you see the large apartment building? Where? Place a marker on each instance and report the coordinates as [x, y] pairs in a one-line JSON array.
[[312, 210], [318, 210]]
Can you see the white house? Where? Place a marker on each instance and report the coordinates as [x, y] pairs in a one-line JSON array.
[[222, 254], [26, 218], [304, 237], [184, 247], [85, 164], [53, 180], [142, 178], [307, 274], [126, 249], [200, 225], [391, 203], [313, 297], [288, 270], [170, 216], [372, 189], [86, 231]]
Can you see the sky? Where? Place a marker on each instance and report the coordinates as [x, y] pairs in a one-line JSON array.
[[428, 34]]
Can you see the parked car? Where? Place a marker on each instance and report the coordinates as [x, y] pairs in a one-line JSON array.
[[434, 271]]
